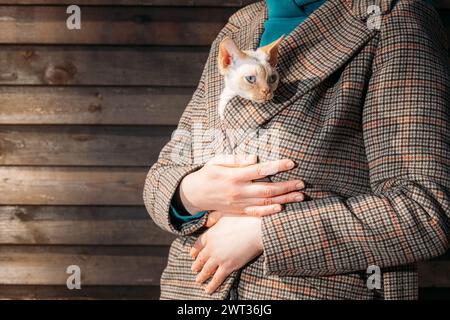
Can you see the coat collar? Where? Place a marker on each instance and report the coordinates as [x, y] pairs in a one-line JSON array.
[[313, 51]]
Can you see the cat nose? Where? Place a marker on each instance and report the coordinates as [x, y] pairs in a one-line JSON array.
[[265, 91]]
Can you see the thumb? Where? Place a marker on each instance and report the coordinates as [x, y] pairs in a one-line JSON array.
[[213, 218]]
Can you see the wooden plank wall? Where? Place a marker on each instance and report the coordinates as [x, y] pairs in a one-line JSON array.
[[83, 114]]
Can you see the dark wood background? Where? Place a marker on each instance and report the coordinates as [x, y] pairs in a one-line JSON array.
[[83, 114]]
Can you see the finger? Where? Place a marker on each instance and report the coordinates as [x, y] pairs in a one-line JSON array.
[[271, 189], [287, 198], [261, 211], [198, 246], [213, 218], [261, 170], [291, 197], [233, 160], [218, 278], [219, 215], [208, 271], [200, 261]]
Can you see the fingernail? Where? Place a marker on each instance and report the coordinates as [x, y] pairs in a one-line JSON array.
[[299, 198], [300, 185], [290, 165], [277, 208]]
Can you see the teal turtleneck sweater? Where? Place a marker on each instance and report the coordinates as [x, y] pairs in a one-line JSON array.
[[283, 17]]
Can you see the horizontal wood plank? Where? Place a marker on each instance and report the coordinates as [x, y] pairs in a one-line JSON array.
[[164, 3], [178, 3], [39, 292], [126, 266], [62, 225], [120, 266], [18, 292], [117, 25], [71, 185], [111, 66], [434, 274], [124, 66], [113, 25], [82, 145], [93, 105]]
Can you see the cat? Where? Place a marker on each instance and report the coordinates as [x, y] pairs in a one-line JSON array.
[[249, 74]]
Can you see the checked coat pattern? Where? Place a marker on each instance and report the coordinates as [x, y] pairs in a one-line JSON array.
[[364, 112]]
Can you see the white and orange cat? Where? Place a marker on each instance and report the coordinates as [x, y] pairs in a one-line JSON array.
[[247, 73]]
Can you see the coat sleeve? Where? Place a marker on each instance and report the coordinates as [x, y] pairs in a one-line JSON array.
[[176, 159], [406, 129]]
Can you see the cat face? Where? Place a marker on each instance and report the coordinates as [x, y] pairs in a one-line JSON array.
[[250, 74], [253, 80]]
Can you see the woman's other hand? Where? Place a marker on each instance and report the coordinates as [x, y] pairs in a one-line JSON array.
[[226, 183], [228, 246]]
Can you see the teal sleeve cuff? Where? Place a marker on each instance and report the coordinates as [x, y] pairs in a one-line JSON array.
[[180, 217]]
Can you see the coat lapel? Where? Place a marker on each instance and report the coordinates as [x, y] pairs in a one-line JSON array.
[[247, 38], [313, 51]]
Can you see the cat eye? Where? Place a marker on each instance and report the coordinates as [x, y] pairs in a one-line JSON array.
[[272, 78], [250, 79]]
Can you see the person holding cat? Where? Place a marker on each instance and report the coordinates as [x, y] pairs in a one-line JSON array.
[[356, 166]]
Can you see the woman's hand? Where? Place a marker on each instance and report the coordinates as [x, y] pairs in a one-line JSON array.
[[228, 246], [226, 183]]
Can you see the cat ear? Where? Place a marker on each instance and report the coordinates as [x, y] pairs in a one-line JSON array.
[[271, 50], [228, 52]]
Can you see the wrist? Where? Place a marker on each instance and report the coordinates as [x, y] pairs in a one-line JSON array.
[[259, 234], [187, 194], [260, 238]]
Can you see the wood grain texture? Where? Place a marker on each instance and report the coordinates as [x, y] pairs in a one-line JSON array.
[[67, 225], [106, 66], [180, 3], [124, 66], [71, 185], [19, 292], [119, 266], [82, 145], [134, 266], [33, 292], [113, 25], [93, 105], [111, 66], [120, 25], [434, 274], [165, 3]]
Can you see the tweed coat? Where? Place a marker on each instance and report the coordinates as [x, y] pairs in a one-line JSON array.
[[364, 112]]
